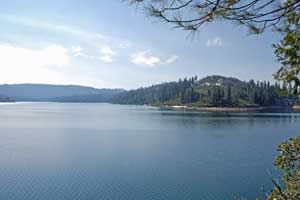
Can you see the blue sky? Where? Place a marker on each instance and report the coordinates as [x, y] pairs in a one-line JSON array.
[[109, 44]]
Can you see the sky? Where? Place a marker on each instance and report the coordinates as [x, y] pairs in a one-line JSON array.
[[110, 44]]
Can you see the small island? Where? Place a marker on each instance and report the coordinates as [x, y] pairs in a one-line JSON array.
[[212, 93]]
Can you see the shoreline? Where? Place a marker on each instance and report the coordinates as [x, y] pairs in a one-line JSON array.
[[186, 107], [228, 109]]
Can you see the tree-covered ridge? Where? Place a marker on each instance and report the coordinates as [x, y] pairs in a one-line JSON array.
[[57, 93], [209, 91]]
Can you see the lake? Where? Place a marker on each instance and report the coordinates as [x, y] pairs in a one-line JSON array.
[[56, 151]]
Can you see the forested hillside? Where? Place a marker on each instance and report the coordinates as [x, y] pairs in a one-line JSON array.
[[58, 93], [209, 91]]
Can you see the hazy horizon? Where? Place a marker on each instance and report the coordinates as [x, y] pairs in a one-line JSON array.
[[66, 84]]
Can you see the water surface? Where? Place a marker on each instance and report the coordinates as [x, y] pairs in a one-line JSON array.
[[56, 151]]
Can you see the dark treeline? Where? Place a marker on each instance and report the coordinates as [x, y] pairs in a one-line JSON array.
[[209, 91], [156, 93]]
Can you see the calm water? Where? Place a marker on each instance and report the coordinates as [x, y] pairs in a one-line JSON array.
[[52, 151]]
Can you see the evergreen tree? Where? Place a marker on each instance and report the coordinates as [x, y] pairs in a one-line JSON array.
[[229, 97]]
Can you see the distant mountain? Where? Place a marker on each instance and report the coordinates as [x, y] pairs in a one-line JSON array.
[[209, 91], [63, 93], [104, 96], [5, 99]]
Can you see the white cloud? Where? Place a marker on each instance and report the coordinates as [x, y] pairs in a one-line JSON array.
[[18, 64], [217, 41], [107, 59], [171, 59], [77, 51], [107, 51], [124, 44], [144, 58], [107, 54], [53, 55], [109, 47]]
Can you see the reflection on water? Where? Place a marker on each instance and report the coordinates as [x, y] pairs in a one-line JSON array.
[[103, 151], [218, 120]]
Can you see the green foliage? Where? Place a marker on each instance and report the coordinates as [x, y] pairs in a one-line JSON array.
[[288, 50], [289, 161]]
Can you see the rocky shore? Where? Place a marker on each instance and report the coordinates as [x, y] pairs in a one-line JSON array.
[[227, 109]]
